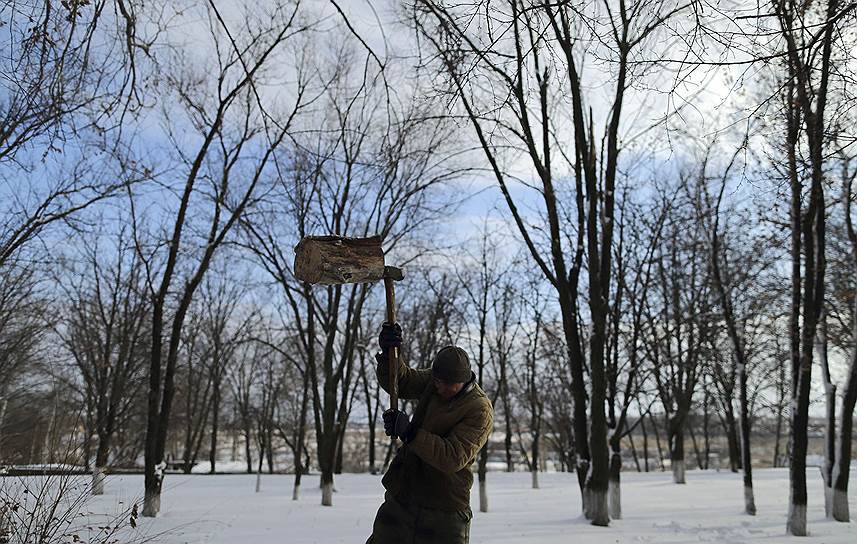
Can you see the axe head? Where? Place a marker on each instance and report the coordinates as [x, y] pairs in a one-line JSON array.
[[332, 260]]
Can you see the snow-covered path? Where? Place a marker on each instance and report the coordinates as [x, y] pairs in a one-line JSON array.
[[224, 509]]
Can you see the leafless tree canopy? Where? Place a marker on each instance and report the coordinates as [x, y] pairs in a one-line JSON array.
[[636, 215]]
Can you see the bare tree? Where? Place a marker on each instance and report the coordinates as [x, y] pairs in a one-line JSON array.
[[233, 157], [193, 387], [224, 330], [812, 44], [504, 349], [480, 280], [291, 415], [842, 460], [634, 272], [243, 377], [372, 400], [22, 324], [727, 283], [269, 386], [531, 380], [679, 310], [105, 332], [503, 73]]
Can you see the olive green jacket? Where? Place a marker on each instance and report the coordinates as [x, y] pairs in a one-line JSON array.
[[433, 470]]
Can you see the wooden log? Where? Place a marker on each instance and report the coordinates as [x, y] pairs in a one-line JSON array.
[[332, 260]]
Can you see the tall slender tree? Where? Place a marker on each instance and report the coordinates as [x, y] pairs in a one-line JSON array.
[[231, 159]]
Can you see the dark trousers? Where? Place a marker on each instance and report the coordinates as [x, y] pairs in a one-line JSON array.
[[399, 523]]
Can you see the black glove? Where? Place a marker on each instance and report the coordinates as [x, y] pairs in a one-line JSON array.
[[390, 337], [396, 423]]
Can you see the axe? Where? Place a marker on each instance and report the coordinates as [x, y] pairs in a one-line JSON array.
[[336, 260]]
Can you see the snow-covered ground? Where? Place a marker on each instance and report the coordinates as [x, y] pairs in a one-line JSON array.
[[225, 509]]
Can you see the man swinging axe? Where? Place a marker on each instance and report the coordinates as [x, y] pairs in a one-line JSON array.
[[428, 482]]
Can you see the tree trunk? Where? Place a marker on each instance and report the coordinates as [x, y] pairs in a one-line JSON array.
[[677, 451], [534, 465], [215, 421], [340, 444], [706, 430], [234, 450], [779, 428], [327, 448], [634, 451], [580, 429], [101, 458], [89, 429], [301, 439], [779, 433], [262, 449], [796, 524], [269, 451], [808, 247], [327, 487], [732, 441], [830, 417], [248, 455], [372, 468], [483, 495], [696, 450], [296, 487], [599, 512], [581, 467], [152, 498], [842, 468], [658, 442], [614, 486], [482, 473], [598, 480], [801, 377], [507, 442], [746, 459], [152, 502], [3, 405], [645, 443]]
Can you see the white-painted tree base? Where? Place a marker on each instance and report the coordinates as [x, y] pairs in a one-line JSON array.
[[598, 508], [840, 506], [151, 505], [98, 477], [296, 492], [679, 472], [258, 481], [586, 502], [327, 494], [615, 496], [796, 523], [535, 474], [483, 496], [749, 501]]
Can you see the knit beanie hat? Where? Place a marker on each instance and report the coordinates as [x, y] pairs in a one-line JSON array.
[[451, 365]]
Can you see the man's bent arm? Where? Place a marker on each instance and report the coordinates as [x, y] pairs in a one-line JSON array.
[[458, 450], [411, 382]]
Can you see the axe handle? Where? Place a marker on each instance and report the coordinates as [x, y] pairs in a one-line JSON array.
[[394, 352]]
